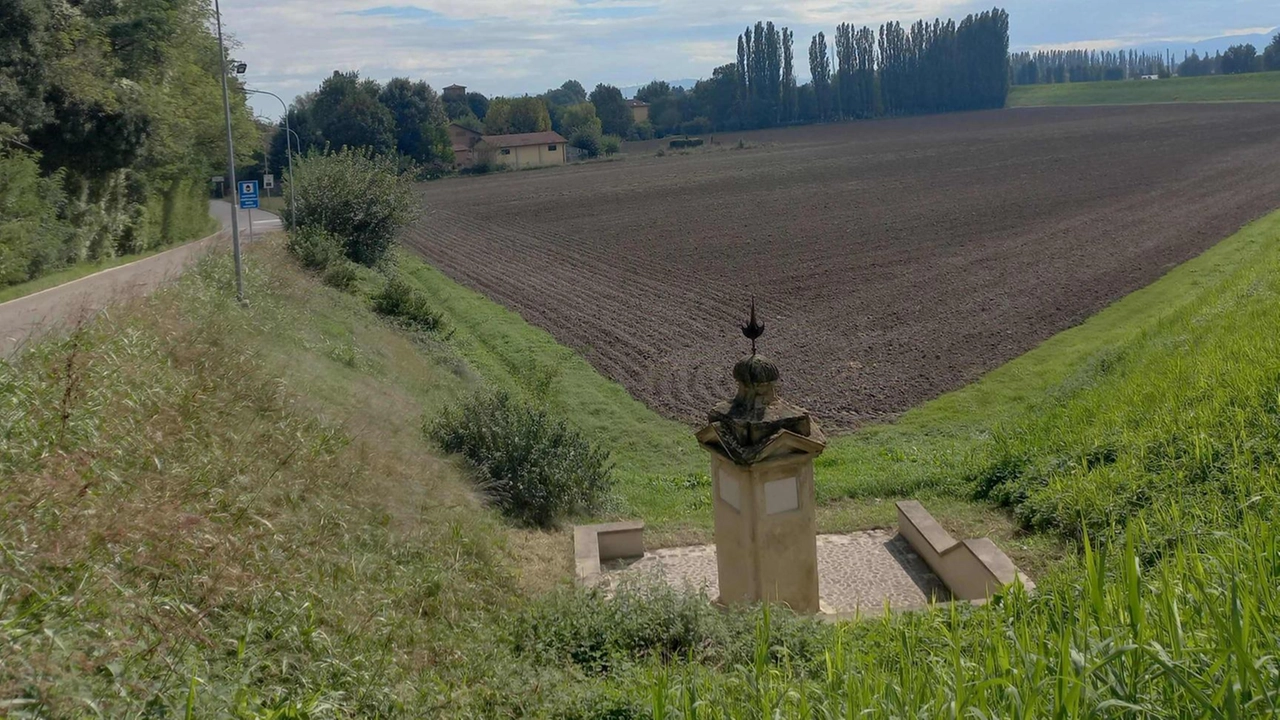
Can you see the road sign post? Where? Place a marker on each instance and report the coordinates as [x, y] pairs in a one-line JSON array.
[[249, 201]]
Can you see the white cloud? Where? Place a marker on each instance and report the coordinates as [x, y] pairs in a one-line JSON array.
[[511, 47]]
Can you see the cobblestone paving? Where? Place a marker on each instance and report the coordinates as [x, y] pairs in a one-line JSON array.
[[860, 571]]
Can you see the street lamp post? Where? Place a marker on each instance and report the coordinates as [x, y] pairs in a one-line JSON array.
[[293, 201], [231, 161]]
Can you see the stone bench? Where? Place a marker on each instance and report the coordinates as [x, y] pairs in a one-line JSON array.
[[971, 569], [596, 544]]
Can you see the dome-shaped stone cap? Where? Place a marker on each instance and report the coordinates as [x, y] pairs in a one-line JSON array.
[[756, 370]]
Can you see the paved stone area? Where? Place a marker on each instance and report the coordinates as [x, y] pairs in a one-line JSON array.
[[861, 571]]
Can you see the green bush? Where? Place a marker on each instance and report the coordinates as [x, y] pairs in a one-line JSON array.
[[342, 275], [356, 196], [535, 467], [315, 248], [33, 238], [398, 299], [610, 144], [588, 139]]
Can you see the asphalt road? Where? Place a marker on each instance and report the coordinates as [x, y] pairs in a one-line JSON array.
[[27, 318]]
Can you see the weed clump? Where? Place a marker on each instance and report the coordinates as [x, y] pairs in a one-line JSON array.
[[316, 248], [343, 275], [400, 300], [536, 468]]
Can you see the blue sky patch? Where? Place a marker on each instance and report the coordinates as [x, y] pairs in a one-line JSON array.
[[410, 13]]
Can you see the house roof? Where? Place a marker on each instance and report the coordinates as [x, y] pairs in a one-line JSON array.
[[456, 87], [464, 127], [637, 103], [524, 139]]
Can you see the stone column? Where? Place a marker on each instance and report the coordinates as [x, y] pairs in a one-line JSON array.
[[762, 451]]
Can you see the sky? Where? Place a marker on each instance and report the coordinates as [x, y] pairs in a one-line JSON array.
[[505, 47]]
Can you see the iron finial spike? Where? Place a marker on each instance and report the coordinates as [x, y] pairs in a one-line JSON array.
[[754, 328]]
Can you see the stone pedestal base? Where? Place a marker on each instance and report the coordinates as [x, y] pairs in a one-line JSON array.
[[766, 531]]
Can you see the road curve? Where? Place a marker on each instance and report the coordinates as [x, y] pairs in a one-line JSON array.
[[26, 318]]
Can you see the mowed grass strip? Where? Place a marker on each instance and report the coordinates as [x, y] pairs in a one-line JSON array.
[[1250, 87]]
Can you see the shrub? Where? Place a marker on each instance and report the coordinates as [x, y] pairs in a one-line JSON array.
[[315, 248], [643, 130], [610, 144], [342, 275], [33, 238], [398, 299], [535, 468], [587, 139], [683, 143], [696, 126], [356, 196]]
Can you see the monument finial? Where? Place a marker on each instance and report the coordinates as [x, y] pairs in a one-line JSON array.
[[753, 329]]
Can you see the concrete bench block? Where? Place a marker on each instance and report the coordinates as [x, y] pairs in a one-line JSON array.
[[594, 544], [972, 570]]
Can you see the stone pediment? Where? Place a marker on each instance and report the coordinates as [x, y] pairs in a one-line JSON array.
[[720, 438]]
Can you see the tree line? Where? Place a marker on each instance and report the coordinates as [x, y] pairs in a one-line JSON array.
[[928, 67], [1066, 66], [111, 125], [936, 66]]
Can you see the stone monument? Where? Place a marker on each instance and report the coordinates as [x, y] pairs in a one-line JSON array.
[[762, 451]]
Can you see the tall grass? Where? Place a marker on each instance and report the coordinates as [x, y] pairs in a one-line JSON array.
[[1193, 636]]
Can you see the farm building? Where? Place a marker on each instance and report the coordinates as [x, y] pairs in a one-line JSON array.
[[464, 141], [526, 150], [639, 110], [455, 93]]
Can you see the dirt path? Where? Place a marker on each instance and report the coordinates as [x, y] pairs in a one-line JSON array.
[[893, 260], [27, 318]]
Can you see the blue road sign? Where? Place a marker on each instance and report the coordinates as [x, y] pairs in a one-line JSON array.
[[249, 195]]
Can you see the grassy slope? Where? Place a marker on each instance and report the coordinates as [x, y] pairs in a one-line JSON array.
[[208, 510], [1252, 87]]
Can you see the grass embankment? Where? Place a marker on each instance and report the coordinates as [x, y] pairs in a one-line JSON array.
[[1250, 87], [89, 267], [208, 510], [929, 453]]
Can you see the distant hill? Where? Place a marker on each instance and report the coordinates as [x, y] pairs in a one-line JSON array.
[[1208, 45]]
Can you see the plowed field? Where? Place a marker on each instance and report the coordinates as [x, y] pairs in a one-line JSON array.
[[892, 260]]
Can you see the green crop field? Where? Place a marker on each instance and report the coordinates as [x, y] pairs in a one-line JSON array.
[[1252, 87], [210, 509]]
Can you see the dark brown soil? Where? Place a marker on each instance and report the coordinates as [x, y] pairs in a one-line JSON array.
[[892, 260]]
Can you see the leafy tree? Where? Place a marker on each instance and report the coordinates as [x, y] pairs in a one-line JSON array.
[[612, 109], [570, 93], [32, 235], [654, 91], [420, 121], [478, 105], [348, 113], [1239, 59], [1271, 55], [576, 117], [717, 98], [820, 71], [517, 115], [121, 103]]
